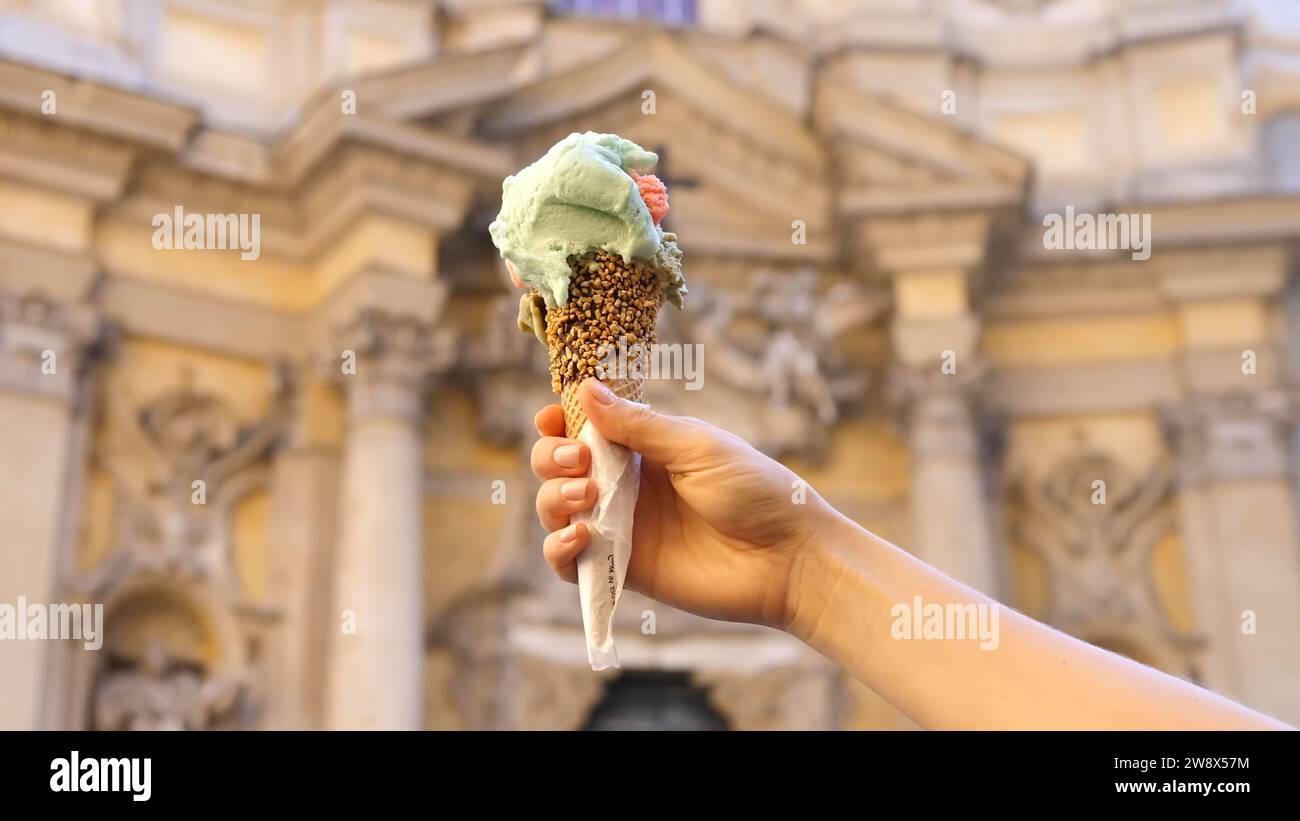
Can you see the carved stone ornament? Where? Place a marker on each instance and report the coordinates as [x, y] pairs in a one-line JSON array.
[[180, 462], [774, 342], [1095, 526], [386, 362], [1240, 435], [162, 692], [45, 345], [943, 413]]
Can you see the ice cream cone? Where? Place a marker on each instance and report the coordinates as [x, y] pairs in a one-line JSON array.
[[612, 309], [631, 389]]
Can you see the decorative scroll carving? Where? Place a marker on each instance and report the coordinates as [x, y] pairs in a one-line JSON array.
[[173, 534], [46, 346], [1231, 436], [396, 357], [156, 453], [1096, 540], [943, 413]]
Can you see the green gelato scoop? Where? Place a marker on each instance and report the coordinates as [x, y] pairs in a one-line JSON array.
[[576, 198]]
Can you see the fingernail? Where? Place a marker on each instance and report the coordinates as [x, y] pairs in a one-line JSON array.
[[575, 490], [569, 533], [566, 456], [601, 393]]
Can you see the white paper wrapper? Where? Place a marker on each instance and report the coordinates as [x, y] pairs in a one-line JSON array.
[[603, 565]]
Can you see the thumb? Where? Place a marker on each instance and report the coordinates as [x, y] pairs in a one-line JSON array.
[[656, 436]]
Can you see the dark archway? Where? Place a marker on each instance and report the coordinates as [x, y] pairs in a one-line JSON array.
[[653, 700]]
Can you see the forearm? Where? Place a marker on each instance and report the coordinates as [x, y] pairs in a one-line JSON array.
[[1028, 676]]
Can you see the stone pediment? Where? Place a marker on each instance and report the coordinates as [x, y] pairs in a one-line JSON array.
[[451, 82], [741, 170], [658, 64], [893, 160]]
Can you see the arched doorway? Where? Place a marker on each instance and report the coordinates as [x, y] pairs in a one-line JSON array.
[[653, 700]]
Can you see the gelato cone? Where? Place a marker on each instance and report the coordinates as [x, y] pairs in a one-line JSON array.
[[580, 230], [607, 325], [575, 417]]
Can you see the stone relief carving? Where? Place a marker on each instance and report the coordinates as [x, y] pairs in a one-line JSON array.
[[1095, 527], [156, 453], [774, 340], [162, 692]]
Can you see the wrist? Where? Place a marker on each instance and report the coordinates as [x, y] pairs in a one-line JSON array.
[[816, 572]]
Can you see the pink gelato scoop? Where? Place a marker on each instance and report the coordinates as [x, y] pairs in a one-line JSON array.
[[655, 194]]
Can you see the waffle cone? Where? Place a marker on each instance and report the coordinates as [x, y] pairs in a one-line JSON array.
[[612, 303], [631, 389]]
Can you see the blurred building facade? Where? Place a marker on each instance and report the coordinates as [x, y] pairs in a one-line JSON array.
[[299, 482]]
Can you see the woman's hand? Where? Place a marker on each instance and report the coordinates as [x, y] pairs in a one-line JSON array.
[[721, 530], [718, 532]]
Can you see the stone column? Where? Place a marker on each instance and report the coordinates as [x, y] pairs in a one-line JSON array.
[[305, 494], [1236, 499], [934, 263], [951, 526], [1239, 530], [376, 664], [42, 442]]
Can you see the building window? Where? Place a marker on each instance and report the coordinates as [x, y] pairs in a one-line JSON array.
[[668, 12]]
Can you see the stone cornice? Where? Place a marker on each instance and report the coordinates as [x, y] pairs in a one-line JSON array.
[[928, 241], [1239, 219], [890, 200], [47, 153], [1110, 387], [60, 275], [325, 126], [124, 115], [297, 222], [1083, 284], [1258, 271]]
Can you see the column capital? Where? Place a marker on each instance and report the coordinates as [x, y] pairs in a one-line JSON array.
[[387, 362], [1235, 435], [46, 345], [941, 412], [920, 242]]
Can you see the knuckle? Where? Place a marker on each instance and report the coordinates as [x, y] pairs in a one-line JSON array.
[[538, 457]]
